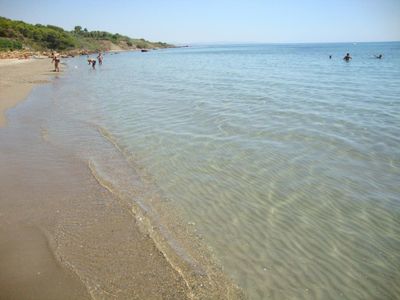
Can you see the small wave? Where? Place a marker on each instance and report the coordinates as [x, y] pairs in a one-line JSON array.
[[181, 246]]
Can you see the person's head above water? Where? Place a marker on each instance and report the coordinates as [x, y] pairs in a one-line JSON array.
[[347, 57]]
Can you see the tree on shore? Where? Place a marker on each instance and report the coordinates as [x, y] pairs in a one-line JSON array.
[[77, 29]]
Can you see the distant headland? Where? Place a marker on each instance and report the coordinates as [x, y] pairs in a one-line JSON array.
[[21, 40]]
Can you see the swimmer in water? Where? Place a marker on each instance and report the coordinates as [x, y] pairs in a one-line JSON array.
[[100, 58], [347, 57], [380, 56]]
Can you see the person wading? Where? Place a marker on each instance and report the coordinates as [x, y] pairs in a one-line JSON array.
[[56, 60]]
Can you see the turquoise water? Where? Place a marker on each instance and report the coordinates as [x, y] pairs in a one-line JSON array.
[[286, 162]]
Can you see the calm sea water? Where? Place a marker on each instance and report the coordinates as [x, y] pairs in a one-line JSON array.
[[286, 162]]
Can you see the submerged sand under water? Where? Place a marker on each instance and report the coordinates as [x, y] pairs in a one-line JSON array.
[[283, 161]]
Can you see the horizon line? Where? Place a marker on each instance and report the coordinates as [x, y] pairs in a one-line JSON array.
[[277, 43]]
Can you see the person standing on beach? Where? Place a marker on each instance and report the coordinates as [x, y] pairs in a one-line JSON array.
[[56, 60], [100, 58]]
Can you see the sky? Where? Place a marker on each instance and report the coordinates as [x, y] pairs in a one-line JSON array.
[[213, 21]]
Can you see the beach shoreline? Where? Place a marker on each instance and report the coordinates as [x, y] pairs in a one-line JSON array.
[[64, 235], [38, 258]]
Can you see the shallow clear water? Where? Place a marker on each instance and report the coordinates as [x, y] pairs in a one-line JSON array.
[[286, 161]]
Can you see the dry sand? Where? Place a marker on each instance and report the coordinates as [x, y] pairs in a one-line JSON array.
[[17, 78]]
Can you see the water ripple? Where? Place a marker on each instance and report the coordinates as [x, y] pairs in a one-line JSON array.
[[287, 162]]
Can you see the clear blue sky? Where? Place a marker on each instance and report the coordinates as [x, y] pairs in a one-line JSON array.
[[187, 21]]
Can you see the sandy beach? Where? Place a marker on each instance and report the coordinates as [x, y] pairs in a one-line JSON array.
[[17, 78], [62, 234]]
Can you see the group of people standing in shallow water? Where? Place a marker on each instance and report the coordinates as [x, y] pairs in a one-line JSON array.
[[92, 61], [56, 59], [347, 57]]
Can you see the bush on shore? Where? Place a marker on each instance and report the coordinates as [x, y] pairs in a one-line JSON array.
[[8, 44]]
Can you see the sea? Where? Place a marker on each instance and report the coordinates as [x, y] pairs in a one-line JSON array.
[[283, 161]]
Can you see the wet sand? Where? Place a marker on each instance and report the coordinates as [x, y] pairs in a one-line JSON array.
[[57, 221], [29, 268], [62, 234], [17, 78]]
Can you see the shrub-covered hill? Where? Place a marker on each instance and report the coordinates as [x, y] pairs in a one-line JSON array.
[[16, 35]]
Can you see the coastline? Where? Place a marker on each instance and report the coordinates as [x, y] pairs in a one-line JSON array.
[[39, 256], [62, 234], [17, 78]]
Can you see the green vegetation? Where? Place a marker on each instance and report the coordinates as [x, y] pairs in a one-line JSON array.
[[18, 34], [6, 44]]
